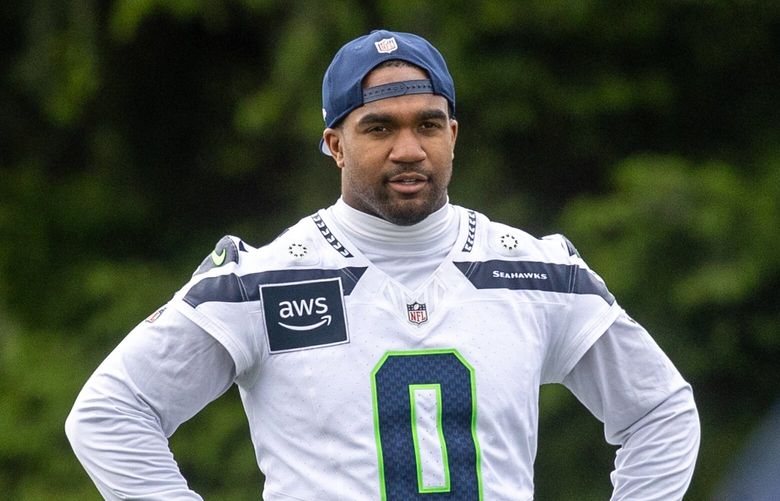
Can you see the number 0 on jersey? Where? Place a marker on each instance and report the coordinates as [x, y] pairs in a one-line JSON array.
[[425, 419]]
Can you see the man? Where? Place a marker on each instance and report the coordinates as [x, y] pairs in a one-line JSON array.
[[392, 345]]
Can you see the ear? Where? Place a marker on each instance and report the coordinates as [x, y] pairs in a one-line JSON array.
[[335, 141], [454, 132]]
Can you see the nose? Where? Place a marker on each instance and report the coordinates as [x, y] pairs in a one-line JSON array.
[[407, 148]]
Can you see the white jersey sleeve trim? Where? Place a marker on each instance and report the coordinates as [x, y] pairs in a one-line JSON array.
[[240, 357], [586, 338]]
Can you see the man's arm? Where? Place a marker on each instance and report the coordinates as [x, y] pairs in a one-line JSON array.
[[647, 408], [159, 376]]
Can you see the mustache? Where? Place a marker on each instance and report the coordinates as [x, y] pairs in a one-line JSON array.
[[408, 169]]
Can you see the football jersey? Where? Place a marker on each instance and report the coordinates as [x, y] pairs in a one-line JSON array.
[[357, 387]]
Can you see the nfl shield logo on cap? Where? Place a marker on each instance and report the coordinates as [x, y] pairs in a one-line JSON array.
[[417, 313], [386, 45]]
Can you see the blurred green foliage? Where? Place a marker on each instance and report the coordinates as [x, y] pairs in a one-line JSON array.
[[133, 134]]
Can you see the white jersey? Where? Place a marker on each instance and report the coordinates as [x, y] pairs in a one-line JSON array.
[[356, 387]]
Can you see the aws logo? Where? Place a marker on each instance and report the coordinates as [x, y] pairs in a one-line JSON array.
[[300, 315], [305, 308]]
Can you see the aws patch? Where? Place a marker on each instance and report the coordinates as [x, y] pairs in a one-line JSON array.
[[301, 315]]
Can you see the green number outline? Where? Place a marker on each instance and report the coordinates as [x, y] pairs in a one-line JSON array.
[[377, 436], [442, 444]]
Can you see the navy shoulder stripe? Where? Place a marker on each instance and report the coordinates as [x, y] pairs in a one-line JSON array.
[[234, 289], [532, 275]]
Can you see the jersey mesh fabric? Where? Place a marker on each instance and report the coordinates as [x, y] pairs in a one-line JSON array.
[[511, 333]]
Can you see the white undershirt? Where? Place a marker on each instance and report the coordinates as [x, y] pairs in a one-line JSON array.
[[408, 254]]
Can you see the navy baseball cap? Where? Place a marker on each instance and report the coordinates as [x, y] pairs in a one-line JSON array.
[[342, 86]]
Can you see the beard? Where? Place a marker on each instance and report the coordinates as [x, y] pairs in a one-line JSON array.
[[409, 212], [381, 201]]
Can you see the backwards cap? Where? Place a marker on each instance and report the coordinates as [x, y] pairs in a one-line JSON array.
[[342, 86]]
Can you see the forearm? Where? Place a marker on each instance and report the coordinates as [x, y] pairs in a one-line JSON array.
[[647, 408], [658, 452], [121, 444], [158, 377]]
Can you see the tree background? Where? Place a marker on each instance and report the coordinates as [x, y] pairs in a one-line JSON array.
[[135, 133]]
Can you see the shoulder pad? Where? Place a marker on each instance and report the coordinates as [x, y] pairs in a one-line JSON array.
[[508, 241], [565, 242], [294, 247], [226, 251]]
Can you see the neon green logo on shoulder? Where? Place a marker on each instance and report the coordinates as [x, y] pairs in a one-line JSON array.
[[218, 259]]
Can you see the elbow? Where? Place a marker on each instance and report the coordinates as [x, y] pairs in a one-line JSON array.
[[691, 413], [77, 427], [682, 406], [71, 426], [676, 413], [91, 420]]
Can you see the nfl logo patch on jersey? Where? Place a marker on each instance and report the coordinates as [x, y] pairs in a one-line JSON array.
[[417, 313], [302, 315]]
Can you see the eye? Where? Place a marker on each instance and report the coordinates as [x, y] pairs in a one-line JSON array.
[[377, 129], [430, 126]]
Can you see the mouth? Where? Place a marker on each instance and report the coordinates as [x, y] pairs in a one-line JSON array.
[[408, 183]]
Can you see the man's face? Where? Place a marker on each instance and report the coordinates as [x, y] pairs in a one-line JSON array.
[[395, 154]]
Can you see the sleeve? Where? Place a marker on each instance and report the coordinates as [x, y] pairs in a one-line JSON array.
[[583, 311], [218, 301], [164, 372], [647, 408]]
